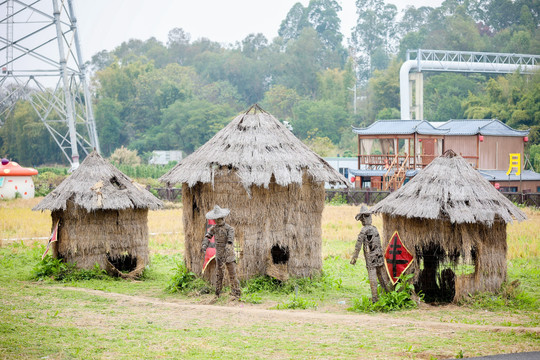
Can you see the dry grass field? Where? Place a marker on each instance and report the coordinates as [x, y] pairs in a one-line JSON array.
[[340, 230]]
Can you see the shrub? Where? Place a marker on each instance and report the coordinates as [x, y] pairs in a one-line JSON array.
[[268, 284], [338, 200], [398, 299], [183, 280], [47, 179], [57, 269], [124, 156]]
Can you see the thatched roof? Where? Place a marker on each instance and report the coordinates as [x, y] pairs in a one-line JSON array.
[[98, 185], [257, 146], [450, 189]]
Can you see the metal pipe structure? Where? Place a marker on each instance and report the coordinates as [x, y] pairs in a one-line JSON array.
[[460, 61]]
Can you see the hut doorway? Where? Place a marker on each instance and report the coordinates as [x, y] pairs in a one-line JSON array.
[[124, 263], [437, 279], [280, 255], [277, 262]]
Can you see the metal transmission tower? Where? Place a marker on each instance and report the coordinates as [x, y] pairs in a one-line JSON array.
[[41, 62], [455, 61]]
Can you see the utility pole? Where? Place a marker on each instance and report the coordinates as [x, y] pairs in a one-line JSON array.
[[44, 65], [353, 89]]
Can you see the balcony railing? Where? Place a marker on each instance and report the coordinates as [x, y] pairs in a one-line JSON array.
[[383, 162]]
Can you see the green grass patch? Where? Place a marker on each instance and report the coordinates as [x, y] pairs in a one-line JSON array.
[[44, 319]]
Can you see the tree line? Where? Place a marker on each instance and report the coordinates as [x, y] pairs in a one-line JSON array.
[[154, 96]]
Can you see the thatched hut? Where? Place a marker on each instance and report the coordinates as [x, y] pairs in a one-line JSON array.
[[454, 221], [274, 186], [102, 218]]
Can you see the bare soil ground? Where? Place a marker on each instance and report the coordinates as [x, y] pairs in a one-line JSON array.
[[249, 314]]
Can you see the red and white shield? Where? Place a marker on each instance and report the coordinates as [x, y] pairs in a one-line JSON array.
[[397, 258], [210, 253]]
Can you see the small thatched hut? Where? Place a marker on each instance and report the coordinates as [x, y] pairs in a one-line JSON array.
[[102, 216], [274, 186], [454, 221]]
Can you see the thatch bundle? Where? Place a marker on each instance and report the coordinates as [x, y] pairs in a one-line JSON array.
[[455, 221], [274, 186], [102, 217]]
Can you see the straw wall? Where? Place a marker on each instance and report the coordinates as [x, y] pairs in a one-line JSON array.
[[86, 238], [286, 216], [450, 246]]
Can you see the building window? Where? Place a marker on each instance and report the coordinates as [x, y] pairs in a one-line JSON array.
[[509, 189], [366, 182], [344, 172]]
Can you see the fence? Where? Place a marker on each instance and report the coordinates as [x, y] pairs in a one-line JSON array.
[[168, 194], [527, 199], [370, 197], [351, 197], [357, 197]]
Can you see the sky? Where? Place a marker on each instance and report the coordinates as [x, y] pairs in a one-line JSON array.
[[105, 24]]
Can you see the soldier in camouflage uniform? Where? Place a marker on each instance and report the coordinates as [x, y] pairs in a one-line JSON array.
[[369, 239], [223, 234]]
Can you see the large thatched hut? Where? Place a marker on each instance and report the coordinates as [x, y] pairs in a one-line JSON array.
[[102, 218], [274, 186], [454, 221]]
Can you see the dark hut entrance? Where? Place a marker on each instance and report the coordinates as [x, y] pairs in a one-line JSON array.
[[280, 255], [124, 263], [436, 279]]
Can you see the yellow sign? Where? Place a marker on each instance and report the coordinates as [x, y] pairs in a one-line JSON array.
[[515, 163]]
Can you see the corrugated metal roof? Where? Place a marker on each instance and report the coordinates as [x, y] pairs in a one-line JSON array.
[[500, 175], [492, 127], [399, 127]]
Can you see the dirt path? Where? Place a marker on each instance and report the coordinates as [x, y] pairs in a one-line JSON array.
[[252, 314]]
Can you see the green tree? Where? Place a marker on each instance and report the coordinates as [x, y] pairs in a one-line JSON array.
[[334, 85], [322, 146], [456, 32], [444, 93], [109, 125], [178, 45], [188, 125], [375, 29], [280, 101], [320, 118], [156, 90], [513, 99], [254, 45], [25, 139], [303, 61], [293, 23], [383, 91]]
